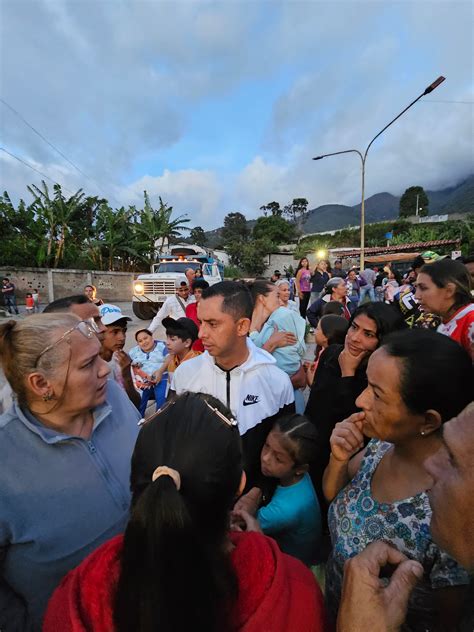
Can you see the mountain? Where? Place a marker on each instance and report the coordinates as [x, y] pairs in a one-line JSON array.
[[378, 208]]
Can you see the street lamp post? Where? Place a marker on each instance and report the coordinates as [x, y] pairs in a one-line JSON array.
[[363, 158]]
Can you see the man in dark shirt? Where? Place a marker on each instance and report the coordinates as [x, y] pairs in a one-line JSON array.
[[8, 291]]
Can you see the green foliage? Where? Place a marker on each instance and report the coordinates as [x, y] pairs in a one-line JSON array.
[[297, 211], [273, 208], [408, 202], [274, 228], [83, 232], [198, 236], [235, 228]]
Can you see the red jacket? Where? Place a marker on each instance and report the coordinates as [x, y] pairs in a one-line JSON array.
[[277, 593], [191, 312]]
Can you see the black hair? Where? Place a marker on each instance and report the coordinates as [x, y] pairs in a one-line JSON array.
[[300, 264], [260, 288], [180, 333], [300, 437], [176, 574], [64, 304], [436, 371], [418, 262], [446, 271], [335, 328], [237, 299], [199, 283], [92, 286], [467, 259], [386, 317], [333, 307], [140, 331], [5, 279]]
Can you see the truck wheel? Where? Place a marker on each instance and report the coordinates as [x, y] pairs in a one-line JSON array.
[[144, 311]]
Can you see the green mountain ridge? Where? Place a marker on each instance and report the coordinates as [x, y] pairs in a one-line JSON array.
[[378, 208]]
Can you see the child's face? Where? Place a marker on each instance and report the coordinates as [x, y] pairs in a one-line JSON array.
[[319, 336], [274, 459], [175, 345], [145, 341]]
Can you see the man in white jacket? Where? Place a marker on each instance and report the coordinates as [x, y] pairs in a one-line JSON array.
[[174, 306], [234, 370]]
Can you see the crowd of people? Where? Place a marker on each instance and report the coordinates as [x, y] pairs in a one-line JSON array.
[[225, 477]]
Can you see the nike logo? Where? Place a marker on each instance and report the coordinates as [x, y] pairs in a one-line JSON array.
[[251, 399]]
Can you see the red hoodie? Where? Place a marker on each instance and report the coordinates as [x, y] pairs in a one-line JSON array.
[[277, 593]]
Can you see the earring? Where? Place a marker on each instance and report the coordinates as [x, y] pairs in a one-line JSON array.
[[422, 433], [47, 397]]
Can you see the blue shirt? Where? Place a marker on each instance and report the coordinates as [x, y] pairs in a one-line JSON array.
[[60, 498], [148, 362], [293, 518], [289, 358]]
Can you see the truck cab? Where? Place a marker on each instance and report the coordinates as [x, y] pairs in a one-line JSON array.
[[151, 290]]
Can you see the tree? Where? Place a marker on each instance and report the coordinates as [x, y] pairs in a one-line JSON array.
[[297, 211], [198, 236], [275, 228], [413, 197], [252, 259], [235, 228], [273, 208]]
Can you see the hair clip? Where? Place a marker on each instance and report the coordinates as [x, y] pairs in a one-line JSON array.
[[230, 422]]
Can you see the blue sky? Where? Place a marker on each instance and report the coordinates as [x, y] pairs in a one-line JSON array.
[[220, 106]]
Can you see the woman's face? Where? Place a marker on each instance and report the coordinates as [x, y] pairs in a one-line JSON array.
[[271, 301], [340, 290], [145, 341], [319, 336], [351, 276], [434, 299], [361, 336], [322, 266], [85, 387], [198, 294], [386, 416], [304, 263], [284, 292]]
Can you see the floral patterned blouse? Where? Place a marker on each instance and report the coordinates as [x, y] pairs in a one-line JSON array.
[[356, 519]]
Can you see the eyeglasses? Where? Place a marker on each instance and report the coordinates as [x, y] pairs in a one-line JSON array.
[[87, 328]]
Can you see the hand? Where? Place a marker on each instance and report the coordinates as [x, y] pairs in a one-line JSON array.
[[124, 360], [347, 438], [250, 501], [350, 363], [281, 338], [251, 523], [365, 603], [310, 368]]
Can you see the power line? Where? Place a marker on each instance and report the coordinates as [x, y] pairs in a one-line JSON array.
[[51, 145], [27, 164]]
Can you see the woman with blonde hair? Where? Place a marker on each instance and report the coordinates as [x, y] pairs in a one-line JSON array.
[[65, 447]]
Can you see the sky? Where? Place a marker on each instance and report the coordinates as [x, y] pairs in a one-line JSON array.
[[220, 106]]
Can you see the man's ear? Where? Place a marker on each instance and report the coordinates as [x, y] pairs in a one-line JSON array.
[[431, 423], [243, 326], [38, 385]]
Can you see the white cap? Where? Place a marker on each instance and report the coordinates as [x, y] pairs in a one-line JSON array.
[[111, 314]]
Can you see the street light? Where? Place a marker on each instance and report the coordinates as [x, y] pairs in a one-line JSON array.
[[363, 158]]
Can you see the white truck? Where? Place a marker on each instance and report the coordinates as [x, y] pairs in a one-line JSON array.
[[151, 290]]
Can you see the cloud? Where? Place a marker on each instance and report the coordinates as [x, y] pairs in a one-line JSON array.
[[130, 92]]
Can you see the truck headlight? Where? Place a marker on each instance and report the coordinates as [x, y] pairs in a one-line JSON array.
[[139, 287]]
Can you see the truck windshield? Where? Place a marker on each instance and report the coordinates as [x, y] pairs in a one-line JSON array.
[[176, 266]]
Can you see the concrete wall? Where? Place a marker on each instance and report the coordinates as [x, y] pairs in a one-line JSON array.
[[52, 284], [278, 261]]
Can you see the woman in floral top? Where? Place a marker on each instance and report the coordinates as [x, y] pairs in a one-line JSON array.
[[418, 379]]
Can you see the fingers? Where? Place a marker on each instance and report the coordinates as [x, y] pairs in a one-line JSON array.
[[402, 582], [377, 555]]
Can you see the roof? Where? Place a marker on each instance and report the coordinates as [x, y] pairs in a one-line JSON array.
[[419, 245]]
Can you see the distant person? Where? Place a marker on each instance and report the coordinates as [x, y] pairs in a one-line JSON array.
[[174, 306], [36, 300], [199, 285], [276, 276], [29, 304], [8, 291], [234, 370], [409, 305], [303, 284], [338, 271], [331, 330], [319, 279], [284, 295], [147, 357], [334, 290], [112, 349], [353, 284], [91, 292], [190, 275], [369, 276]]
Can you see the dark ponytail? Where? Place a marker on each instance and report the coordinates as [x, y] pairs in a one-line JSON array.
[[300, 436], [176, 574]]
